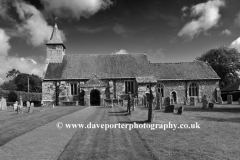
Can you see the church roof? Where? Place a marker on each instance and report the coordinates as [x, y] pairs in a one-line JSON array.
[[196, 70], [104, 66], [56, 36]]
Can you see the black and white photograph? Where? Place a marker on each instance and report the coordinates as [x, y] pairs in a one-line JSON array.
[[119, 79]]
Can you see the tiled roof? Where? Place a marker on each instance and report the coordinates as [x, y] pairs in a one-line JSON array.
[[183, 71], [84, 66], [55, 37], [104, 66], [147, 79]]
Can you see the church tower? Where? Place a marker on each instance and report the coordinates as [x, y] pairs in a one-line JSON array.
[[55, 47]]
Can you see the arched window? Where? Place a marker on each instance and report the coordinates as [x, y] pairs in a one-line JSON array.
[[160, 89], [193, 89]]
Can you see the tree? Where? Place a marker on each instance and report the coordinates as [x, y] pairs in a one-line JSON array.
[[12, 73], [12, 96], [225, 62], [9, 85], [35, 82]]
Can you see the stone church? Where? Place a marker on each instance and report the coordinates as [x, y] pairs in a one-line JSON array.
[[91, 78]]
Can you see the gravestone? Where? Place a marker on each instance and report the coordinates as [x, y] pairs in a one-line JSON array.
[[15, 106], [229, 99], [192, 101], [167, 104], [28, 104], [3, 105], [204, 102], [210, 105], [219, 100], [31, 108], [172, 101]]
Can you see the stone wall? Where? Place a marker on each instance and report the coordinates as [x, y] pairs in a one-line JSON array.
[[206, 87]]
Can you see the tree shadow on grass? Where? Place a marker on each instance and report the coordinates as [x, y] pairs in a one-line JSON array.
[[232, 120]]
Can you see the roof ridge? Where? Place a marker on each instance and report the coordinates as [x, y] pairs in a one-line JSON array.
[[170, 62], [104, 54]]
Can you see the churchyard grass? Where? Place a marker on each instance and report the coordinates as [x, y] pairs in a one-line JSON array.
[[13, 125], [217, 138]]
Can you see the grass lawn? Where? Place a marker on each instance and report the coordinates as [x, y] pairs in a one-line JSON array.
[[218, 137], [13, 125]]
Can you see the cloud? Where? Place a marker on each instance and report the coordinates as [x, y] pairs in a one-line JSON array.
[[4, 43], [75, 8], [209, 17], [123, 31], [122, 51], [184, 8], [24, 65], [226, 32], [91, 30], [236, 44], [237, 20], [33, 25]]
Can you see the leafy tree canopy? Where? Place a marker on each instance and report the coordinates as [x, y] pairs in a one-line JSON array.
[[225, 62], [12, 73], [21, 80]]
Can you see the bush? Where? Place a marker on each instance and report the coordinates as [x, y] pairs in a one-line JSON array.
[[4, 93], [12, 96], [25, 95]]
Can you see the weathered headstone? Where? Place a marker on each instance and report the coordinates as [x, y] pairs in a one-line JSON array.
[[167, 103], [172, 101], [210, 105], [192, 101], [3, 105], [219, 100], [204, 102], [15, 106], [31, 108], [229, 99]]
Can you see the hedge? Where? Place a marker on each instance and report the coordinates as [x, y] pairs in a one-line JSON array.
[[25, 95]]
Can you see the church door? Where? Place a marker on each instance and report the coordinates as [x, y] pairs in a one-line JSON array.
[[95, 97]]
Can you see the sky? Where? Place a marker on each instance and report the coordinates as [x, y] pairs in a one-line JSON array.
[[166, 30]]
